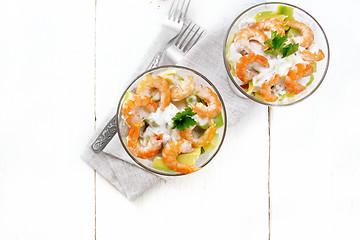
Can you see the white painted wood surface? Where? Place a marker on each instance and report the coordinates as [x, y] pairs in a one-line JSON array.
[[51, 90], [315, 160], [46, 102]]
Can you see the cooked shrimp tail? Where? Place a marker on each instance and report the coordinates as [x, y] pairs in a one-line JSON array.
[[183, 89], [242, 66], [312, 57], [271, 24], [172, 150], [266, 89], [295, 73], [130, 106], [143, 151], [212, 100], [307, 35], [204, 140], [245, 35], [150, 82]]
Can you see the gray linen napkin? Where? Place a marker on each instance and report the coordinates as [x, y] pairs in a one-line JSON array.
[[116, 166]]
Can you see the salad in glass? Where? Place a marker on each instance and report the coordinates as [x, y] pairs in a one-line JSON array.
[[175, 120], [273, 56]]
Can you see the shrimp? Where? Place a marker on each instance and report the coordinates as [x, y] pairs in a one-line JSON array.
[[306, 32], [271, 24], [242, 66], [211, 99], [245, 35], [145, 152], [300, 70], [184, 89], [152, 81], [312, 57], [172, 150], [200, 141], [266, 88], [129, 108]]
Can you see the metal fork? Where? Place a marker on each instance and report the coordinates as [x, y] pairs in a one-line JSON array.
[[179, 44], [175, 19], [172, 27], [188, 37], [178, 47]]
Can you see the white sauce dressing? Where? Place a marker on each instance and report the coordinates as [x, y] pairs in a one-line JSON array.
[[161, 122], [313, 47], [246, 23], [202, 121], [234, 54]]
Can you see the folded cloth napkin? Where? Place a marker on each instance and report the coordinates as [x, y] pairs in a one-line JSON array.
[[113, 163]]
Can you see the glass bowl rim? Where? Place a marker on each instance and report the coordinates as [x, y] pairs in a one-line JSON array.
[[242, 90], [118, 115]]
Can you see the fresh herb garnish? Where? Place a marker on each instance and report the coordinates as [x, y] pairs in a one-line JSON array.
[[183, 119], [289, 49], [277, 45], [277, 42]]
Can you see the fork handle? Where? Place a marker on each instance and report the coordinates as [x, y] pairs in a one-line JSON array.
[[155, 61], [110, 129], [105, 136]]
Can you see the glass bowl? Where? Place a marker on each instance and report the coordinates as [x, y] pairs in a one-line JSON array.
[[123, 128], [300, 15]]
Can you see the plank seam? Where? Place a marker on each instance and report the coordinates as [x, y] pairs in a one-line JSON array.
[[269, 197], [95, 114]]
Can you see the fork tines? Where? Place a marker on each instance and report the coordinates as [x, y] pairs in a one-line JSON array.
[[188, 37], [178, 10]]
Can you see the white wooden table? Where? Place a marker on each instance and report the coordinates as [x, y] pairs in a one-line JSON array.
[[282, 173]]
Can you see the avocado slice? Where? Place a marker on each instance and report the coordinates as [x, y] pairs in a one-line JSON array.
[[206, 126], [186, 158], [189, 158], [168, 74], [287, 95], [159, 164], [292, 32], [211, 145], [128, 94], [218, 120], [311, 80], [287, 11], [313, 64], [258, 96], [269, 14]]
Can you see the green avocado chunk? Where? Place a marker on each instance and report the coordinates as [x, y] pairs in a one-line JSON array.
[[210, 146], [189, 158], [185, 158], [218, 120], [159, 164], [313, 64], [128, 94], [269, 14], [292, 32], [287, 11]]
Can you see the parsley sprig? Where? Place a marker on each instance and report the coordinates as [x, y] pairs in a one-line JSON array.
[[277, 45], [183, 119]]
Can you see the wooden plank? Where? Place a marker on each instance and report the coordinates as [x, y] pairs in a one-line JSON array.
[[46, 102], [227, 198], [315, 144]]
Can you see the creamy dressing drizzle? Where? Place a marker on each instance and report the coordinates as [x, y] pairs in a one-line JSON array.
[[160, 122]]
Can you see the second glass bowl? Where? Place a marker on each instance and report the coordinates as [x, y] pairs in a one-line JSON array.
[[300, 15]]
